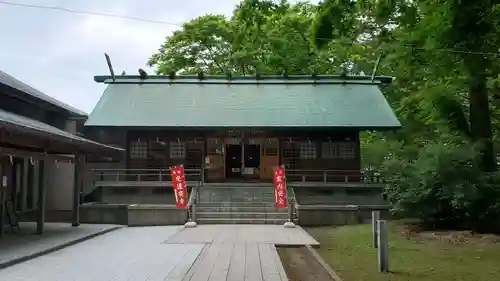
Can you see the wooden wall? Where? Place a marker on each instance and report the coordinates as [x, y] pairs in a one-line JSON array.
[[151, 149]]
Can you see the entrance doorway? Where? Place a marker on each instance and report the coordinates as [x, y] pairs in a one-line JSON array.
[[233, 161], [252, 156]]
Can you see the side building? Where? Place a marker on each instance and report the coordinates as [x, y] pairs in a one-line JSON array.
[[42, 154]]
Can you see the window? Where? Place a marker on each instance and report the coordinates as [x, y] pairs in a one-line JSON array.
[[307, 150], [347, 150], [138, 150], [329, 150], [271, 151], [177, 150]]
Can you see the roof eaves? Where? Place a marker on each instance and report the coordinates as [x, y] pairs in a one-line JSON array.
[[55, 132]]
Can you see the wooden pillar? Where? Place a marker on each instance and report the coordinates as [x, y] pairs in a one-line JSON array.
[[3, 187], [41, 198], [35, 183], [6, 188], [77, 187], [17, 189], [24, 186]]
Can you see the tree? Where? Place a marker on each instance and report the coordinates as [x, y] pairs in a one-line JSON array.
[[469, 27], [261, 37]]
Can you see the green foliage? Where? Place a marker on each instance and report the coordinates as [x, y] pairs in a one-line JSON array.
[[334, 20], [262, 37], [444, 187]]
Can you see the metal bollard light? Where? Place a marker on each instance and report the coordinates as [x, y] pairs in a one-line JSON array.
[[383, 246]]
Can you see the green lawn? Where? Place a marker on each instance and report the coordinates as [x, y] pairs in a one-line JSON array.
[[416, 257]]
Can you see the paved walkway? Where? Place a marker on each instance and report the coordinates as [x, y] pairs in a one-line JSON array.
[[17, 247], [262, 234], [171, 253]]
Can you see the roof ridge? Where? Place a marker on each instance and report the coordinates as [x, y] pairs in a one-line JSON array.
[[246, 78]]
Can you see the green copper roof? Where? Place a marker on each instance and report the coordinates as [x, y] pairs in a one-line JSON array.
[[243, 103]]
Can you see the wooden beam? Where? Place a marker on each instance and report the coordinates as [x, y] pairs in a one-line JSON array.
[[36, 143], [35, 155]]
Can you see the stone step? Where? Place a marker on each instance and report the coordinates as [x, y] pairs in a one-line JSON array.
[[236, 198], [243, 198], [241, 215], [241, 209], [239, 221], [222, 204]]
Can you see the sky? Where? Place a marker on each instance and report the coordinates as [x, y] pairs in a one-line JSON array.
[[59, 53]]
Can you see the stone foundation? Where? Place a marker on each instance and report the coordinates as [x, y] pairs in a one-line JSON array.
[[132, 215], [326, 215]]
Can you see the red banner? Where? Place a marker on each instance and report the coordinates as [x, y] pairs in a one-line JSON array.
[[179, 185], [279, 187]]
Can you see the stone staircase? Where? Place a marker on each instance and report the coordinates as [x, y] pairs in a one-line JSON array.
[[241, 203]]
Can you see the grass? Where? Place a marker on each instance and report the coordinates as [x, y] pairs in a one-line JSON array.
[[412, 256]]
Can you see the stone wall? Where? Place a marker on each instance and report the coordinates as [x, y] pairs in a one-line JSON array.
[[326, 215], [146, 215], [132, 215], [163, 195], [341, 194]]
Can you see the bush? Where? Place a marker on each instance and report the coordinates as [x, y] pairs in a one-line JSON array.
[[444, 187]]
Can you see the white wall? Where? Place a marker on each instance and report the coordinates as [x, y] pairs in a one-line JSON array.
[[60, 180]]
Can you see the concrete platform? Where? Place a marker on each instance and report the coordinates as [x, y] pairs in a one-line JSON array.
[[169, 253], [261, 234], [18, 247]]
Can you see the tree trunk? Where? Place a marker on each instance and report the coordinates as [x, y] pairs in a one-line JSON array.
[[480, 119]]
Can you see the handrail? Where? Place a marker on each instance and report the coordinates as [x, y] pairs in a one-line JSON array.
[[193, 199], [191, 205], [160, 175], [332, 176], [293, 212]]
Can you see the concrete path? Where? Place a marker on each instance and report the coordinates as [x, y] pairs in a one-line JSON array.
[[230, 233], [18, 247], [171, 253]]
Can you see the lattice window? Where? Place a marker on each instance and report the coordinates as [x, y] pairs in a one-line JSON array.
[[347, 150], [271, 151], [177, 150], [307, 150], [138, 149], [329, 150], [290, 153]]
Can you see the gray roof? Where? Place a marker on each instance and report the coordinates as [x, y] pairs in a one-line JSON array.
[[34, 126], [301, 102], [12, 82]]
